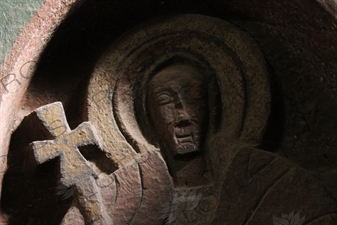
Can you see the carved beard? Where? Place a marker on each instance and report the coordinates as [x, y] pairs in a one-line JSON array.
[[186, 148], [182, 140]]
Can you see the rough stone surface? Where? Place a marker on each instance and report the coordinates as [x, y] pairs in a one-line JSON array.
[[276, 128], [277, 185], [73, 217], [15, 15], [129, 194], [156, 190], [74, 167], [14, 72]]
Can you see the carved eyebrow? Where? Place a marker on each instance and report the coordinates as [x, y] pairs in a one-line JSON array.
[[162, 92], [163, 97], [185, 86], [159, 90], [198, 88]]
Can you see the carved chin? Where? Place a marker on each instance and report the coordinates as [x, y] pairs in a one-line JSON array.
[[185, 148]]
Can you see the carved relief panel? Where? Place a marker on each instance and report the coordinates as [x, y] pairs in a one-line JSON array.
[[174, 113]]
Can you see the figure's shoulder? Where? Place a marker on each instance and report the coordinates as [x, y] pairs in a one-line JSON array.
[[261, 162], [265, 185]]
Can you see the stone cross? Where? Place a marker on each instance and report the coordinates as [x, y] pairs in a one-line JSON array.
[[75, 169], [65, 145]]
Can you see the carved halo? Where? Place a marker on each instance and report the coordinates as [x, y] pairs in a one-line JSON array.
[[230, 60]]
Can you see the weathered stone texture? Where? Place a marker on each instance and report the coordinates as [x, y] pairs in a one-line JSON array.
[[268, 147]]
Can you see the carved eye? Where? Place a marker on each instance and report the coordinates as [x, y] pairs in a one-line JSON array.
[[163, 99], [194, 96]]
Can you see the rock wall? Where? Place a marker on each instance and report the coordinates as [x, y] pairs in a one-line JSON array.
[[13, 18]]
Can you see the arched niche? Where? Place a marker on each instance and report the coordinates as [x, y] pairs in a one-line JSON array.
[[57, 51]]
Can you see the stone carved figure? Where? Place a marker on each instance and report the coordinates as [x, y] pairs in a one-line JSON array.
[[218, 176], [177, 102], [193, 82]]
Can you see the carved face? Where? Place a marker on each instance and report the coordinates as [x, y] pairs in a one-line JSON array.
[[177, 101]]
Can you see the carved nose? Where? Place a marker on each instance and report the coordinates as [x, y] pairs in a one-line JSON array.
[[182, 119], [183, 123]]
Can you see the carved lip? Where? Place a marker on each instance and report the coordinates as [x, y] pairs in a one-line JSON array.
[[181, 138], [185, 134], [185, 138]]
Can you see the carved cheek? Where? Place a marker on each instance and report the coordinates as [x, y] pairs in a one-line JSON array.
[[163, 121], [166, 113], [194, 110]]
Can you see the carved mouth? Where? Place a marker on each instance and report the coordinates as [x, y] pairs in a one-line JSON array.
[[184, 138], [185, 135], [186, 141]]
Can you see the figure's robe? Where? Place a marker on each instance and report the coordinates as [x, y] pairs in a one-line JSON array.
[[254, 188], [137, 193], [260, 185], [259, 188]]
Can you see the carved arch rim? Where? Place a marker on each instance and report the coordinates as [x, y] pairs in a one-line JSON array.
[[27, 48]]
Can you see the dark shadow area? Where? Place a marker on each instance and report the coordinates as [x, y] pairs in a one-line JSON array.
[[82, 38], [29, 190], [93, 154], [274, 132]]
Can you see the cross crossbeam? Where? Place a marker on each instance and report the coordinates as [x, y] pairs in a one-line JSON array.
[[65, 145]]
